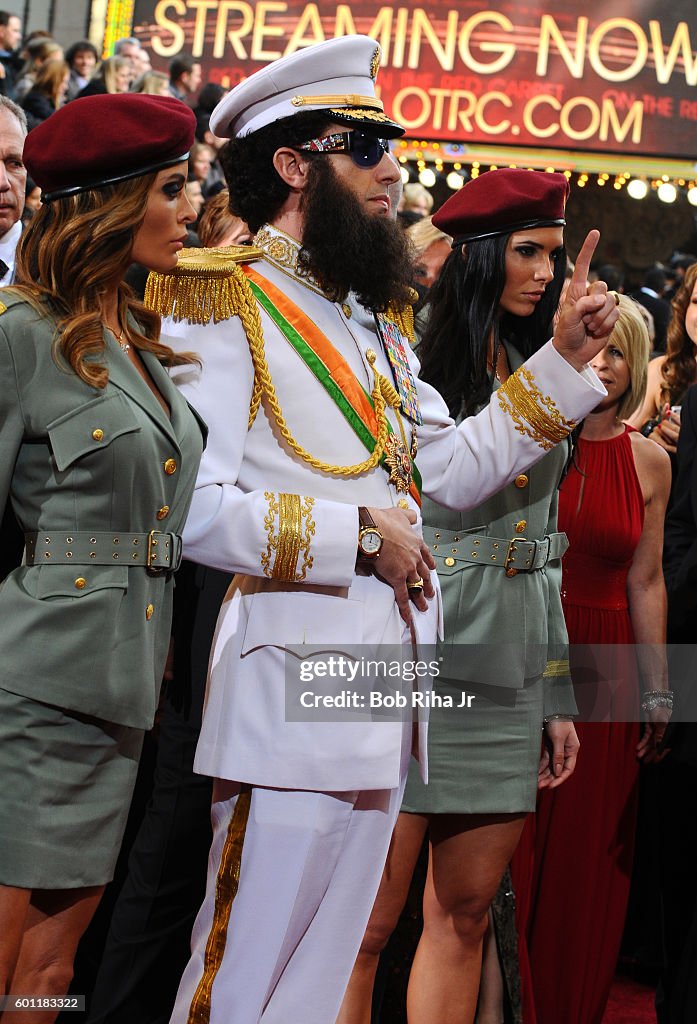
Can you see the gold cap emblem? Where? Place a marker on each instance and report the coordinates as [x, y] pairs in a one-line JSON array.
[[375, 63]]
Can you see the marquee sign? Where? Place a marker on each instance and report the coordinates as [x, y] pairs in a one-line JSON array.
[[583, 77]]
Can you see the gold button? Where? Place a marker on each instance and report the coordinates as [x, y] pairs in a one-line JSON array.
[[449, 561], [170, 467], [521, 481], [511, 572], [163, 512], [98, 435], [403, 503], [519, 527], [346, 310], [80, 583], [370, 355], [149, 611]]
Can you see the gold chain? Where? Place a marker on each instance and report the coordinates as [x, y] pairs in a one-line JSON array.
[[263, 387]]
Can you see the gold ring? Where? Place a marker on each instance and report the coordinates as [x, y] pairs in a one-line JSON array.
[[416, 585], [615, 297]]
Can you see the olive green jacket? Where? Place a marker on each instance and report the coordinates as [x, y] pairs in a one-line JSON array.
[[74, 460], [502, 629]]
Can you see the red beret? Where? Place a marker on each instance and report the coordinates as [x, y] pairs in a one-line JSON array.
[[100, 140], [502, 201]]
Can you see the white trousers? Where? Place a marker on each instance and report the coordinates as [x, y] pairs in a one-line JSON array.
[[280, 949]]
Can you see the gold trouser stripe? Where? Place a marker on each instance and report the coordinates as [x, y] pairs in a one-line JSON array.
[[225, 892]]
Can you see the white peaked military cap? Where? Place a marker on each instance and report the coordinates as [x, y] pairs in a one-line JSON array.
[[337, 76]]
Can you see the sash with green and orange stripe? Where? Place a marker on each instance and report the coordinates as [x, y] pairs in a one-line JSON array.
[[328, 366]]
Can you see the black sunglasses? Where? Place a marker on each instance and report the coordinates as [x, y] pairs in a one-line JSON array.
[[365, 150]]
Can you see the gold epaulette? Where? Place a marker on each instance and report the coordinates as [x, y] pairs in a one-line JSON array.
[[404, 318], [205, 283]]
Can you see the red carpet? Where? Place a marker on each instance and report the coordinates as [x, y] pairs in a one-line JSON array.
[[631, 1002]]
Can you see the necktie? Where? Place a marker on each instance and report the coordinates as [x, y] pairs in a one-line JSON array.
[[4, 269]]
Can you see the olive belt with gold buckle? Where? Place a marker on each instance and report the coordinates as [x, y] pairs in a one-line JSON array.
[[514, 555], [157, 551]]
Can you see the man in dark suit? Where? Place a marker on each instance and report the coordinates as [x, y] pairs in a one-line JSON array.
[[10, 61], [650, 296], [676, 1001], [13, 176]]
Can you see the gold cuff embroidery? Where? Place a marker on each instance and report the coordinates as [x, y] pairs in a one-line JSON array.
[[535, 415], [557, 668], [296, 528]]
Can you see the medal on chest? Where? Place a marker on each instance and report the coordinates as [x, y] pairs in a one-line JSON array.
[[395, 350]]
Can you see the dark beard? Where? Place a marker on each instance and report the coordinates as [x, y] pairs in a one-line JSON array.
[[348, 249]]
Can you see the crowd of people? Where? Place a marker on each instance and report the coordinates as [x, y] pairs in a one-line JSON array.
[[236, 352]]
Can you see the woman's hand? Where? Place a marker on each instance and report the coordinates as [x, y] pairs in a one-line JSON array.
[[647, 749], [588, 313], [404, 558], [559, 753], [667, 430]]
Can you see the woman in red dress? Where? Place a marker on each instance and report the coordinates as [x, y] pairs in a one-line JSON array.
[[578, 856]]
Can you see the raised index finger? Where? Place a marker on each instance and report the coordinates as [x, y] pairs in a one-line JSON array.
[[579, 278]]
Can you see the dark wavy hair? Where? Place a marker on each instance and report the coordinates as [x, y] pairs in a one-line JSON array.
[[464, 304], [257, 192], [680, 367]]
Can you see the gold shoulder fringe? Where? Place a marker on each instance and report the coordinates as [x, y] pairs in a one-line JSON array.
[[404, 318], [205, 283]]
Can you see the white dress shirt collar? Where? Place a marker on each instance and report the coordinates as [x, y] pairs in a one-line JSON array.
[[8, 248]]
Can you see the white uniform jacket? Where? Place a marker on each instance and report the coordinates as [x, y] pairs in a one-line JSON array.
[[240, 519]]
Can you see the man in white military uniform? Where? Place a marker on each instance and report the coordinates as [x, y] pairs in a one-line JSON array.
[[309, 492]]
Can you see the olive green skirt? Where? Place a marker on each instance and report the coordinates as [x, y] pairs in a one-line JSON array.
[[66, 786], [482, 759]]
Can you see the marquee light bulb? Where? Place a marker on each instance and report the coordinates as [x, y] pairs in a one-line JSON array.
[[637, 188]]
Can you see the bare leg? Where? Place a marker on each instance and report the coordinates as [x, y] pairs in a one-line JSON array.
[[14, 904], [469, 854], [55, 921], [407, 839], [490, 1007]]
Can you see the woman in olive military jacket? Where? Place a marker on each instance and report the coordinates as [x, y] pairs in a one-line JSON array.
[[98, 456], [499, 567]]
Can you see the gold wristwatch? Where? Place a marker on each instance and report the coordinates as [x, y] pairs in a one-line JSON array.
[[369, 537]]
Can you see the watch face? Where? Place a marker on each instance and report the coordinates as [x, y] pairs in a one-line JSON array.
[[371, 542]]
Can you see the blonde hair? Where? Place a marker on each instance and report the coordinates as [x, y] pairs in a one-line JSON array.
[[109, 69], [150, 83], [39, 50], [424, 233], [49, 79], [631, 337], [72, 252], [415, 192]]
